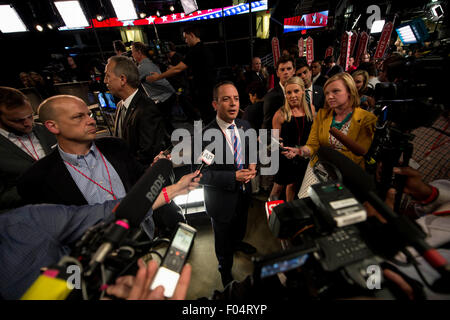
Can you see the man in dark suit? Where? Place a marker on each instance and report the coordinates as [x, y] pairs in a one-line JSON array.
[[255, 73], [22, 142], [81, 170], [274, 99], [227, 186], [314, 94], [318, 78], [332, 67], [138, 120]]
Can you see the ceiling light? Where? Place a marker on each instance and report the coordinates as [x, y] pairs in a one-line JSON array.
[[172, 8], [39, 28], [142, 15], [158, 13], [10, 20], [124, 9], [99, 17], [50, 26], [72, 14]]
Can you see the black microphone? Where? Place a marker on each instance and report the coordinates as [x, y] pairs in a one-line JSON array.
[[363, 187], [131, 211], [141, 197]]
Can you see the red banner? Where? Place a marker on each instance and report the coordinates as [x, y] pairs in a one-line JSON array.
[[384, 40], [362, 47], [309, 50], [329, 52], [345, 49], [353, 44], [301, 47], [275, 50]]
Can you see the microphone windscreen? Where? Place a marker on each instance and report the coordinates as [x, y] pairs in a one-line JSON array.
[[141, 197], [355, 178]]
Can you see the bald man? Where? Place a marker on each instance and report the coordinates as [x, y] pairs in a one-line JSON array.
[[82, 169]]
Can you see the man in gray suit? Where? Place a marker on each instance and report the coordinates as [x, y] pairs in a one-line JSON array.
[[22, 142]]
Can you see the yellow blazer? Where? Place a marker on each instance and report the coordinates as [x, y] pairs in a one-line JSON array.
[[361, 130]]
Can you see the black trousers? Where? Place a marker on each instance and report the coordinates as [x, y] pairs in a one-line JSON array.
[[228, 234], [166, 111]]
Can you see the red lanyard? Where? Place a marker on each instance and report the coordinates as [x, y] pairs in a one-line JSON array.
[[93, 181], [31, 154], [435, 145]]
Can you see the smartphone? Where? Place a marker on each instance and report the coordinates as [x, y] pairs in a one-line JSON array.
[[176, 256]]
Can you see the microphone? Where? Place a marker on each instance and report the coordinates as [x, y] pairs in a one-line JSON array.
[[141, 197], [363, 186], [352, 145], [131, 211], [207, 158]]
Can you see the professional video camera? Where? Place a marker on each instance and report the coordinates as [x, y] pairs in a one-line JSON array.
[[333, 250], [415, 99], [111, 249]]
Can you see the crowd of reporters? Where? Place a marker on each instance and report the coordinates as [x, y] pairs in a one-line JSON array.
[[310, 107]]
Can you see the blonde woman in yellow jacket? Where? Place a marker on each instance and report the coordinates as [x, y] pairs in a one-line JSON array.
[[342, 112]]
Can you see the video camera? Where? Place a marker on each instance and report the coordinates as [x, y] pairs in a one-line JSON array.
[[414, 99], [333, 249]]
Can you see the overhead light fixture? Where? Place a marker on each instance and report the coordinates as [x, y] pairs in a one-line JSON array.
[[124, 9], [142, 15], [10, 20], [158, 13], [377, 26], [39, 28], [172, 8], [72, 14], [50, 26], [437, 11], [99, 17]]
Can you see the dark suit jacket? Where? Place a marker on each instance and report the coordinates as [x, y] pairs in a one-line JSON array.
[[251, 76], [143, 128], [318, 97], [49, 181], [273, 100], [321, 81], [14, 161], [254, 114], [219, 180]]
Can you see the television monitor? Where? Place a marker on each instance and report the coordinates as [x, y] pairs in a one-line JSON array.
[[307, 21], [106, 100], [413, 31]]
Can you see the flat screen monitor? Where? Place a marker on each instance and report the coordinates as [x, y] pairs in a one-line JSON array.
[[413, 32], [307, 21], [106, 100]]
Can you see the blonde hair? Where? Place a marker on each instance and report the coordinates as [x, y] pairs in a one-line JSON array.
[[349, 83], [365, 76], [286, 109]]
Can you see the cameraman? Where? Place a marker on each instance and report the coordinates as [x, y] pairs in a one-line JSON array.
[[37, 236]]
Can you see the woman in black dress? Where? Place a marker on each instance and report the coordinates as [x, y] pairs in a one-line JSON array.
[[294, 120]]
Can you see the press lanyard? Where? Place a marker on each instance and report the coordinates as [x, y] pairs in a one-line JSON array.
[[93, 181], [29, 152]]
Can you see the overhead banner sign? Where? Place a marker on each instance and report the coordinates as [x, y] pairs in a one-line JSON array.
[[345, 49], [329, 52], [384, 40], [309, 50], [362, 47], [301, 47], [206, 14], [307, 21], [275, 50]]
